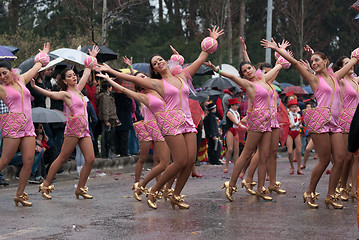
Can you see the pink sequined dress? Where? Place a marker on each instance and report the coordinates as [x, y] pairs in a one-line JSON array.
[[77, 122], [18, 123], [177, 118], [259, 117], [350, 103], [324, 95]]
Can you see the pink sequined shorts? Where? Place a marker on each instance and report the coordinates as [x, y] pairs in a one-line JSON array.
[[345, 119], [141, 131], [169, 121], [77, 126], [259, 120]]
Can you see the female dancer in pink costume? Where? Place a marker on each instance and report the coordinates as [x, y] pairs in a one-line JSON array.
[[17, 128], [350, 99], [153, 103], [179, 131], [258, 124], [76, 131], [274, 185], [328, 136]]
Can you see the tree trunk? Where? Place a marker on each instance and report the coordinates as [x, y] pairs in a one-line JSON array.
[[229, 25], [160, 10], [13, 15], [242, 19], [301, 38]]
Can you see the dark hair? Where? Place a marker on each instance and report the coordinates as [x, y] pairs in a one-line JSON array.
[[140, 72], [322, 56], [61, 77], [139, 88], [265, 65], [105, 85], [5, 64], [241, 65], [339, 63], [232, 89], [152, 72]]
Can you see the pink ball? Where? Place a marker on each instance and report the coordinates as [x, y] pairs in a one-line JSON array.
[[90, 62], [355, 53], [284, 62], [276, 55], [176, 58], [209, 45], [42, 58]]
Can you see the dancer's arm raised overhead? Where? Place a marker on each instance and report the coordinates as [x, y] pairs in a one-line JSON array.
[[87, 72], [307, 76], [244, 49], [140, 97], [271, 75], [193, 68], [27, 76]]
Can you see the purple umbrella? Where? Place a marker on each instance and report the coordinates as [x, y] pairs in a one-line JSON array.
[[6, 54]]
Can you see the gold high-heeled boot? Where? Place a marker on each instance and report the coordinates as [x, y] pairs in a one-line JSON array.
[[23, 200], [168, 193], [229, 190], [312, 196], [344, 194], [276, 188], [248, 187], [83, 192], [178, 200], [263, 194], [138, 190], [332, 200], [43, 189], [354, 195], [151, 203]]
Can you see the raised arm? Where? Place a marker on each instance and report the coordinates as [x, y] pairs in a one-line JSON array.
[[244, 49], [26, 77], [87, 71], [270, 76], [140, 97], [307, 76], [193, 68], [61, 95], [345, 69], [129, 64], [144, 82]]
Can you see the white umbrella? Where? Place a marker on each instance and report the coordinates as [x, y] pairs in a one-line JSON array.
[[52, 63], [71, 55], [45, 115]]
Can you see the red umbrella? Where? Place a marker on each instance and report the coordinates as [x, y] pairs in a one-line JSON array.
[[196, 111], [297, 90], [283, 120]]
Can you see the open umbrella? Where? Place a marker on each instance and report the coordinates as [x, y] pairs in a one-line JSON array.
[[196, 111], [12, 49], [45, 115], [221, 83], [203, 70], [104, 55], [6, 54], [284, 85], [70, 54], [297, 90], [278, 89], [203, 95], [30, 62], [308, 89]]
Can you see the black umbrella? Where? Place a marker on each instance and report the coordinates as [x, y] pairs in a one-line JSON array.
[[30, 62], [221, 83], [104, 55], [204, 94], [145, 67]]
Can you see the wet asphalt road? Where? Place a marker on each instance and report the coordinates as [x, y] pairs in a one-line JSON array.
[[115, 214]]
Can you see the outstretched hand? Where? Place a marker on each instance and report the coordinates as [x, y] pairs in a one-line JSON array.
[[308, 49], [46, 48], [215, 33], [104, 76], [305, 64], [210, 65], [94, 51], [267, 44], [104, 67], [32, 83], [244, 46], [127, 61], [284, 44], [174, 50]]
